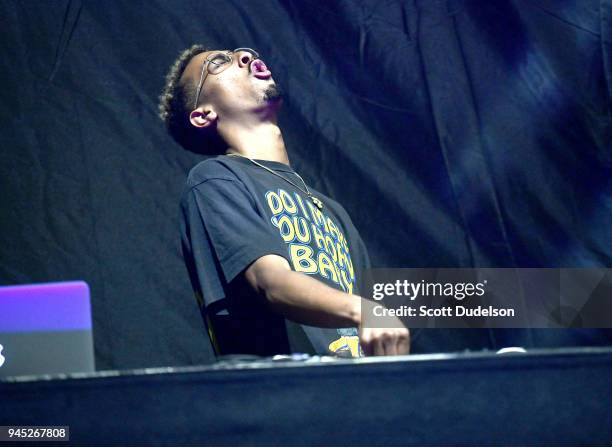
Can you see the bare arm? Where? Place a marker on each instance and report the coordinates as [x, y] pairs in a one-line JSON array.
[[301, 298], [308, 301]]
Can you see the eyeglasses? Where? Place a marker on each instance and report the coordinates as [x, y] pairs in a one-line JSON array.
[[217, 63]]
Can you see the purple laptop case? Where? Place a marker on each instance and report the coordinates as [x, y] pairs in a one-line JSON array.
[[62, 306]]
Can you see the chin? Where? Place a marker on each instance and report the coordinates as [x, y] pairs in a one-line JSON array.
[[272, 93]]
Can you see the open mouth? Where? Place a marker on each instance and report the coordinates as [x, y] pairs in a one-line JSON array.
[[259, 69]]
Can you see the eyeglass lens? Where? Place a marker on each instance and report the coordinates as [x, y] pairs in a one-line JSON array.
[[219, 61]]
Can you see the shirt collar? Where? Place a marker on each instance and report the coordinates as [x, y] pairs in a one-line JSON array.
[[276, 165]]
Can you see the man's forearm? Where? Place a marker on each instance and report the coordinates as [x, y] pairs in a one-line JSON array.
[[308, 301]]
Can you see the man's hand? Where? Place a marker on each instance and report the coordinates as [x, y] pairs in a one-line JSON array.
[[384, 341], [392, 340]]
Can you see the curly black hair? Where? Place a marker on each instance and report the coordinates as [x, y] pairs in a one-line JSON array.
[[175, 106]]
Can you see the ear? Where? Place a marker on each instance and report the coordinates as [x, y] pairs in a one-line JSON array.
[[202, 117]]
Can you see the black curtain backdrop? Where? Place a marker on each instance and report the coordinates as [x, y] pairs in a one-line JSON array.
[[456, 133]]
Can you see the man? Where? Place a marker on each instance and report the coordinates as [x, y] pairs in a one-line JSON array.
[[275, 265]]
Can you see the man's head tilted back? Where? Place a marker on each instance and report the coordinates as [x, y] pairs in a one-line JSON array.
[[209, 94]]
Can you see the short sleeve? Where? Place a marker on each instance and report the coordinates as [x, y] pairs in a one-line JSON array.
[[227, 232]]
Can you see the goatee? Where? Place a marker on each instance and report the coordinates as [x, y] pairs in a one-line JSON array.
[[273, 93]]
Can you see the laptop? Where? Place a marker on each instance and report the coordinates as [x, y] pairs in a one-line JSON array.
[[45, 329]]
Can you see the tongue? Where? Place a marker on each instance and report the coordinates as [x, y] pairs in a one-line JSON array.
[[260, 67]]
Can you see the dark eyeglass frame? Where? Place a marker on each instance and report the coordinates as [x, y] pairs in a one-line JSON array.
[[218, 67]]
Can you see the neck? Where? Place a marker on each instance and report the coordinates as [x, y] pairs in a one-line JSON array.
[[261, 140]]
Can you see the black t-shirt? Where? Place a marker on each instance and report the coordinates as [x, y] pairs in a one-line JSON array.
[[234, 212]]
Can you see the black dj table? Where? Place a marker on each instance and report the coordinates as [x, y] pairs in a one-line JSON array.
[[543, 398]]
